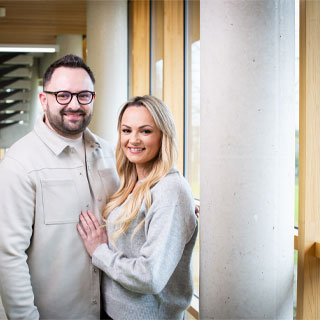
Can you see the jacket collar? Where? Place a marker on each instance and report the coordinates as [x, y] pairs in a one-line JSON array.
[[53, 140]]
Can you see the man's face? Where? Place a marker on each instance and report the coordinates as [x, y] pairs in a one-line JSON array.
[[72, 119]]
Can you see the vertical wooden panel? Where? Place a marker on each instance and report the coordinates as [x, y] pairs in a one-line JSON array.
[[84, 48], [173, 84], [308, 302], [139, 47], [195, 24], [157, 30]]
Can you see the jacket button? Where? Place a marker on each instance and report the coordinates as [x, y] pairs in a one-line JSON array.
[[94, 301]]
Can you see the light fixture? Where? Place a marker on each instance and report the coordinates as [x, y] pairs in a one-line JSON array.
[[28, 48]]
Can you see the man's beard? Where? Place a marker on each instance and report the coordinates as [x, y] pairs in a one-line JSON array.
[[63, 127]]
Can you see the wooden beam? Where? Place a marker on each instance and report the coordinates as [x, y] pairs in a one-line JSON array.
[[296, 244], [139, 28], [308, 291], [157, 18], [193, 312], [173, 69]]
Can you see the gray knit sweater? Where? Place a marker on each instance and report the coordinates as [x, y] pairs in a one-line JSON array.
[[149, 276]]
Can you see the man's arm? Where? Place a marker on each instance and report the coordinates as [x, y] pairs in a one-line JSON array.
[[16, 220]]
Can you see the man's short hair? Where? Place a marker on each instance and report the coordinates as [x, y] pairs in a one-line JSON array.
[[69, 61]]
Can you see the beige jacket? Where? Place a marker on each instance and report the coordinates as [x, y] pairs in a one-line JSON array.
[[44, 269]]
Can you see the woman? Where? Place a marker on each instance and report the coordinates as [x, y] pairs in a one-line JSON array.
[[150, 221]]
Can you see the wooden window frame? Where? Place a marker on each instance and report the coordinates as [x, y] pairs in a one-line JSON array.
[[308, 289], [173, 60]]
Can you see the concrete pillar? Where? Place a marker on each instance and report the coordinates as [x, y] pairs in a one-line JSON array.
[[68, 43], [107, 45], [247, 159]]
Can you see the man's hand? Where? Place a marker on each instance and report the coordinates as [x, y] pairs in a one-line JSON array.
[[91, 232]]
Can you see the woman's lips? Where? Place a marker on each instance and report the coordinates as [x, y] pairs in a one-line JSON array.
[[136, 150]]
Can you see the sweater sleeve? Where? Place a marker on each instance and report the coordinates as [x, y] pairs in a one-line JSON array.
[[168, 229], [16, 216]]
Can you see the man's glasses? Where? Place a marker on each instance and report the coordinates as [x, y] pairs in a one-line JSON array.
[[65, 97]]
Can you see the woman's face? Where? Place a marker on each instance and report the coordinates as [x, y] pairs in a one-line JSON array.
[[140, 137]]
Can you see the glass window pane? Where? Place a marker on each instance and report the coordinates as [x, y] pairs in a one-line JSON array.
[[193, 97], [192, 126], [157, 17]]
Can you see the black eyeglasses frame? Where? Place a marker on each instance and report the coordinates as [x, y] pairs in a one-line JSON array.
[[72, 94]]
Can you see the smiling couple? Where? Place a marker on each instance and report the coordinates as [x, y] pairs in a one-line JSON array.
[[134, 238]]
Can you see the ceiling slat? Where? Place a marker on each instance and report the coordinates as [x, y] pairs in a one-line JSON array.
[[39, 22]]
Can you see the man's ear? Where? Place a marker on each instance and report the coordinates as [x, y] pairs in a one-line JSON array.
[[43, 100]]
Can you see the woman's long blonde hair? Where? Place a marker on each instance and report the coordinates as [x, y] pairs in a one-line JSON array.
[[160, 167]]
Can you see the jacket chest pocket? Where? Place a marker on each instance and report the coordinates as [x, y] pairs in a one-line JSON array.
[[60, 201]]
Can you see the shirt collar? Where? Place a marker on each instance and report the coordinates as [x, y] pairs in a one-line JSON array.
[[53, 140]]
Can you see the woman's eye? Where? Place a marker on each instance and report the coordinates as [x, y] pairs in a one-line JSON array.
[[146, 131], [125, 130]]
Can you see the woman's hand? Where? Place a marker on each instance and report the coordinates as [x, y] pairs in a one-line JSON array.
[[91, 232]]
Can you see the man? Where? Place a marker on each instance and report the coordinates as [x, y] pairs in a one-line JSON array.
[[46, 179]]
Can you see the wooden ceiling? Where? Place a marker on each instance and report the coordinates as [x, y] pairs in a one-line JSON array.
[[40, 21]]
